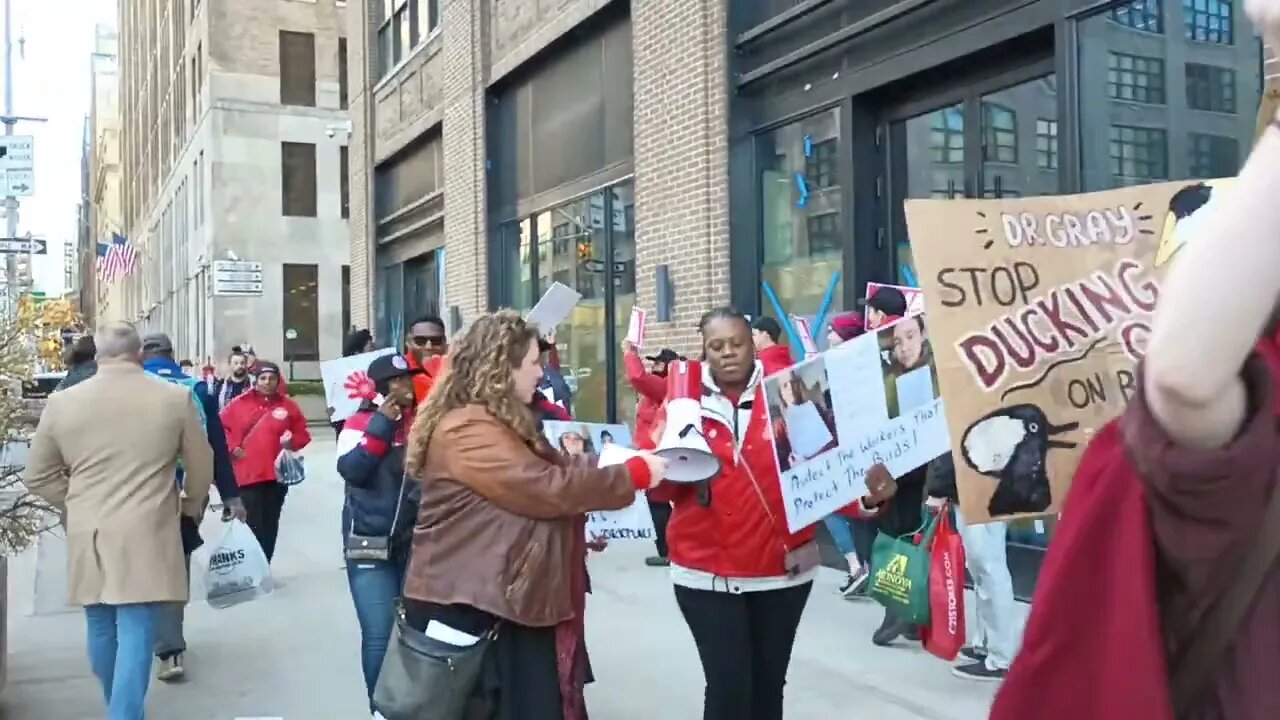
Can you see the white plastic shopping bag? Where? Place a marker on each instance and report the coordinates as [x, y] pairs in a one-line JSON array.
[[289, 468], [237, 570]]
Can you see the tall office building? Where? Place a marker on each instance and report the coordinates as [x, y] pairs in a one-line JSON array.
[[234, 143], [101, 194]]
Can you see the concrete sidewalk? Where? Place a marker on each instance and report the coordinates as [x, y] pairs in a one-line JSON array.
[[294, 655]]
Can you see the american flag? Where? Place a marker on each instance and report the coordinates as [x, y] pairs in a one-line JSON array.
[[116, 258]]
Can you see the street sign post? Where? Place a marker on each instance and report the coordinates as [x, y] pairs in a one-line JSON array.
[[17, 162], [24, 245]]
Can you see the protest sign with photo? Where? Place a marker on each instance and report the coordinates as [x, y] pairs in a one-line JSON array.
[[871, 400], [346, 383], [1039, 310], [612, 443], [887, 304]]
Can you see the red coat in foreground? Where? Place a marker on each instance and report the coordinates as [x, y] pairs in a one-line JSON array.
[[1094, 645], [254, 423]]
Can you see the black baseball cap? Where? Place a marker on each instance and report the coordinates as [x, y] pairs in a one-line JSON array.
[[768, 326], [666, 356], [384, 368], [888, 300], [156, 343]]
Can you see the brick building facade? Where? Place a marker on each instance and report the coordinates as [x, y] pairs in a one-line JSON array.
[[502, 119]]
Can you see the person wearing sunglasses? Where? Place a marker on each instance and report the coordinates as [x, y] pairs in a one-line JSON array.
[[425, 346]]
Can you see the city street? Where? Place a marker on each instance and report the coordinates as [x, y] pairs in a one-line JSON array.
[[294, 654]]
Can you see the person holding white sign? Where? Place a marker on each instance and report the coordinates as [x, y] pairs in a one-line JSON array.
[[741, 579], [498, 521]]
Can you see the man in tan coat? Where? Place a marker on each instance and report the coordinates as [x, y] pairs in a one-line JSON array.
[[105, 454]]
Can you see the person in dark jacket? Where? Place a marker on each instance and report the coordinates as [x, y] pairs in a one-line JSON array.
[[236, 383], [82, 364], [381, 504], [553, 385], [357, 342], [157, 359]]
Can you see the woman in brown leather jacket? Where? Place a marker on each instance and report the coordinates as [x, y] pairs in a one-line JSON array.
[[494, 539]]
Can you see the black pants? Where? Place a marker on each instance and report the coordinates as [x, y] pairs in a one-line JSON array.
[[262, 505], [661, 513], [864, 538], [744, 641]]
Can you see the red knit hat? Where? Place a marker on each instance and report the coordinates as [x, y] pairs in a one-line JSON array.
[[848, 325]]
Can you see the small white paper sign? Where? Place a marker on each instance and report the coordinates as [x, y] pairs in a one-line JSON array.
[[631, 523], [635, 329], [553, 307], [335, 375], [806, 335]]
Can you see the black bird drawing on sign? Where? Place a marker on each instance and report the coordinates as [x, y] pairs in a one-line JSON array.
[[1011, 444]]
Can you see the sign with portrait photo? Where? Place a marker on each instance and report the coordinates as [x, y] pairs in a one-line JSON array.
[[612, 445], [873, 399], [1039, 310]]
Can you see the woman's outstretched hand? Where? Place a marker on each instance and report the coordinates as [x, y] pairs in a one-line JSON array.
[[657, 467]]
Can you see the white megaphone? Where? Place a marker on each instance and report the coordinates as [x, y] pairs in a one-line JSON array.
[[689, 458]]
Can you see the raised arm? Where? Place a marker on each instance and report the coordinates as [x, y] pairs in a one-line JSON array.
[[646, 384], [494, 462], [1198, 348]]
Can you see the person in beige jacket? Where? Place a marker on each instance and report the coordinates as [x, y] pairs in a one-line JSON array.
[[105, 455]]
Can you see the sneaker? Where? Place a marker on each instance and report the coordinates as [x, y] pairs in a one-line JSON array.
[[855, 583], [978, 671], [657, 561], [976, 654], [171, 668]]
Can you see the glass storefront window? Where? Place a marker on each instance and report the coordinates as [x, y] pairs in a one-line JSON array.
[[802, 197], [571, 251], [624, 290], [1203, 122]]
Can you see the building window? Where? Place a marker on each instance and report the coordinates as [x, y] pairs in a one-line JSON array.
[[1144, 15], [1000, 134], [1211, 88], [405, 24], [342, 73], [301, 332], [298, 179], [1209, 21], [801, 249], [297, 68], [947, 136], [346, 302], [344, 180], [1135, 78], [1138, 154], [1212, 156], [820, 164], [1046, 144], [824, 233]]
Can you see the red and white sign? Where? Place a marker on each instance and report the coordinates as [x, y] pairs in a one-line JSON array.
[[635, 329], [806, 335]]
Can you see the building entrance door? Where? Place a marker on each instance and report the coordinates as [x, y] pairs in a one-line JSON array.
[[992, 137]]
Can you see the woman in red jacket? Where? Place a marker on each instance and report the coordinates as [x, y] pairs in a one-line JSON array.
[[259, 424], [741, 579]]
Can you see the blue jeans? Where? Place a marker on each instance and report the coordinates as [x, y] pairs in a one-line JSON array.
[[375, 586], [121, 640], [841, 533]]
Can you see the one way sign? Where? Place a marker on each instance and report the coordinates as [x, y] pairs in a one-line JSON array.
[[26, 246]]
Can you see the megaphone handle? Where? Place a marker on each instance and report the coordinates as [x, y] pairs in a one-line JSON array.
[[704, 493]]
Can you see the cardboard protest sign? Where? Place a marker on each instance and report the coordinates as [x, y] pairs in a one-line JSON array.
[[871, 400], [1039, 310], [613, 445], [345, 383]]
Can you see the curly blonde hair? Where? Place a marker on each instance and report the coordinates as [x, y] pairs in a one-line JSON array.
[[479, 372]]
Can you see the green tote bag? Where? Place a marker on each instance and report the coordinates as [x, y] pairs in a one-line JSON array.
[[900, 572]]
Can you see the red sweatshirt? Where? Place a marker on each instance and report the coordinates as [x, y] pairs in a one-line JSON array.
[[254, 423]]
